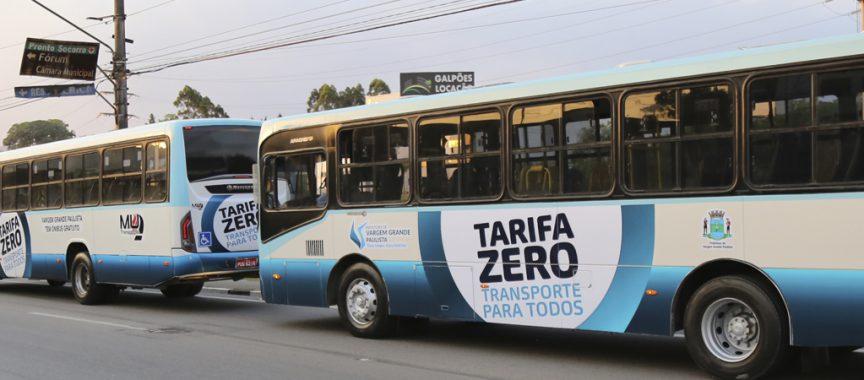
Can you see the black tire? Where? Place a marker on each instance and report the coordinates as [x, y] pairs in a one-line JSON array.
[[183, 290], [56, 283], [84, 286], [378, 321], [772, 349]]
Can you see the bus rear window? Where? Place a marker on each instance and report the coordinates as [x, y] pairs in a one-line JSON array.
[[220, 150]]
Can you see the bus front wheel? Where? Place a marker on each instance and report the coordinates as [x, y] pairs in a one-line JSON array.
[[363, 303], [735, 329], [183, 290], [84, 286]]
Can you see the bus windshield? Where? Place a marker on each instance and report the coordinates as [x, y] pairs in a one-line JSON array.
[[220, 150]]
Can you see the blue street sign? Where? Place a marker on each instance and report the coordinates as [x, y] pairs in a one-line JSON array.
[[55, 91]]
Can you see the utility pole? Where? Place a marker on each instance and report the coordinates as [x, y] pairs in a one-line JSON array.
[[121, 115], [118, 59], [861, 15]]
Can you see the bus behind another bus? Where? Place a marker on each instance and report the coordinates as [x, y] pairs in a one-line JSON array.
[[165, 206]]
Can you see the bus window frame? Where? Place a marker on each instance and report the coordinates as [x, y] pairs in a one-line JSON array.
[[166, 170], [83, 152], [29, 182], [410, 162], [102, 175], [562, 100], [415, 157], [292, 152], [678, 85], [62, 181], [813, 70]]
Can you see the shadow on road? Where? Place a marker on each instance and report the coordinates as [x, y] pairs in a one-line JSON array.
[[150, 299], [599, 349]]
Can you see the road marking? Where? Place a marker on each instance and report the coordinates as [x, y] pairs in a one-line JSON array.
[[95, 322]]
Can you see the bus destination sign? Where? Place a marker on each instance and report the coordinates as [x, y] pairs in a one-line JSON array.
[[435, 83], [60, 59]]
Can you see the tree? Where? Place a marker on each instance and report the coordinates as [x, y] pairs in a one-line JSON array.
[[324, 98], [37, 132], [151, 119], [327, 97], [378, 87], [352, 96], [192, 105]]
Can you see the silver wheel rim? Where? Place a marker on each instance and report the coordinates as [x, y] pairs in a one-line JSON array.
[[730, 330], [82, 280], [362, 301]]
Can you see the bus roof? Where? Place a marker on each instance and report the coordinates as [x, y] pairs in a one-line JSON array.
[[157, 129], [811, 50]]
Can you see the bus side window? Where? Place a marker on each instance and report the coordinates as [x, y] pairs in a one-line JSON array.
[[121, 175], [296, 181], [156, 177], [679, 139], [373, 164], [47, 184], [459, 157], [16, 181]]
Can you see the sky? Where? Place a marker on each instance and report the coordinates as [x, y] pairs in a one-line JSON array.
[[509, 43]]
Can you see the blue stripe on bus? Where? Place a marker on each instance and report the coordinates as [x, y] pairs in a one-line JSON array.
[[653, 314], [618, 306], [436, 280], [826, 306], [28, 267], [207, 221]]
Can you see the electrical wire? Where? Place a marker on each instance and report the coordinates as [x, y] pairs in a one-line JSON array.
[[276, 46]]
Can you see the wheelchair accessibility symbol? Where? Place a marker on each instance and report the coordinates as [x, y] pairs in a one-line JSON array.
[[205, 239]]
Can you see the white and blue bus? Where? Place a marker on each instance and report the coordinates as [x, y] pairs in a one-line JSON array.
[[166, 205], [719, 196]]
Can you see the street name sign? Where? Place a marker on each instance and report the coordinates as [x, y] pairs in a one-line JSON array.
[[60, 59], [55, 91]]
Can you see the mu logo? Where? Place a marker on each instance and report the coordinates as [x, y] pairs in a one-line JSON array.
[[133, 225]]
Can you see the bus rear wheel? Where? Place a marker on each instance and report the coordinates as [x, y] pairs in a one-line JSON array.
[[84, 286], [183, 290], [363, 303], [735, 329]]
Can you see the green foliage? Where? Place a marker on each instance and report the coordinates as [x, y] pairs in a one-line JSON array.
[[378, 87], [352, 96], [327, 97], [324, 98], [37, 132], [192, 105]]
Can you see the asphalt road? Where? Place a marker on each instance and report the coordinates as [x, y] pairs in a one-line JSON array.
[[44, 333]]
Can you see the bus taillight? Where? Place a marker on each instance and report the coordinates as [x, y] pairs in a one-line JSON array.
[[187, 233]]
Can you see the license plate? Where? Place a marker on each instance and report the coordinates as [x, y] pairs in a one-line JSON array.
[[246, 263]]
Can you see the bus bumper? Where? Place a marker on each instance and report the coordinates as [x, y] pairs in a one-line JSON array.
[[207, 266]]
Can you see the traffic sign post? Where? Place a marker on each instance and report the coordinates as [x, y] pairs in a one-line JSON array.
[[60, 59], [32, 92]]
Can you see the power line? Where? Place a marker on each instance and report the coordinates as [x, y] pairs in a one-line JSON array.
[[508, 52], [330, 28], [21, 104], [267, 30], [663, 43], [144, 54], [556, 15], [150, 7], [222, 55], [89, 26]]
